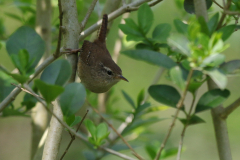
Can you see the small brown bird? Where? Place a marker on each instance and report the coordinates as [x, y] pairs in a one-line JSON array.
[[96, 69]]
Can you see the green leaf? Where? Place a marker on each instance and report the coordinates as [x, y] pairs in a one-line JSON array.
[[72, 98], [213, 60], [193, 120], [12, 112], [26, 38], [177, 77], [21, 61], [180, 42], [102, 131], [76, 121], [14, 16], [227, 31], [180, 26], [5, 85], [204, 27], [91, 127], [211, 99], [131, 37], [165, 94], [131, 30], [143, 46], [70, 119], [49, 92], [20, 78], [212, 23], [145, 17], [129, 99], [140, 123], [140, 97], [152, 57], [57, 73], [142, 109], [161, 32], [169, 152], [218, 77], [151, 150], [231, 66]]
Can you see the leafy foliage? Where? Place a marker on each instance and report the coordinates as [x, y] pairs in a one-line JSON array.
[[33, 44], [72, 98], [48, 91], [57, 73], [165, 94], [98, 133], [211, 99]]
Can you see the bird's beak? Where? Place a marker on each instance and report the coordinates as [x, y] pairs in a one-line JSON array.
[[121, 77]]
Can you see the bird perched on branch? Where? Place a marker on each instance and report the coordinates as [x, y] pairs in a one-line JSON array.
[[96, 69]]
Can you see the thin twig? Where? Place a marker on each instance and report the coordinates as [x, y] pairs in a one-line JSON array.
[[111, 126], [226, 7], [184, 129], [57, 52], [11, 97], [217, 4], [73, 136], [79, 136], [231, 12], [229, 109], [90, 10], [116, 153], [25, 90], [179, 105]]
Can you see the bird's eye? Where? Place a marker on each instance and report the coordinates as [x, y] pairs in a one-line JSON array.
[[109, 72]]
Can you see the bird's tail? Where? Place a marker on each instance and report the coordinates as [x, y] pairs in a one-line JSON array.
[[103, 30]]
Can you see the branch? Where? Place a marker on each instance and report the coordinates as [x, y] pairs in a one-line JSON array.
[[111, 126], [225, 7], [179, 105], [111, 17], [11, 97], [109, 6], [228, 110], [43, 23], [27, 88], [71, 29], [217, 4], [73, 136], [185, 128], [220, 126], [54, 135], [57, 52], [116, 153], [201, 8], [90, 10]]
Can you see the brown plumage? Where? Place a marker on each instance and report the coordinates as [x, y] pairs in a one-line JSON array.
[[96, 69]]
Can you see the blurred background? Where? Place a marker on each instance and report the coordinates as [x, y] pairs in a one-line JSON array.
[[199, 141]]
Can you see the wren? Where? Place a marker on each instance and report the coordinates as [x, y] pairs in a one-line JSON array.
[[96, 69]]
